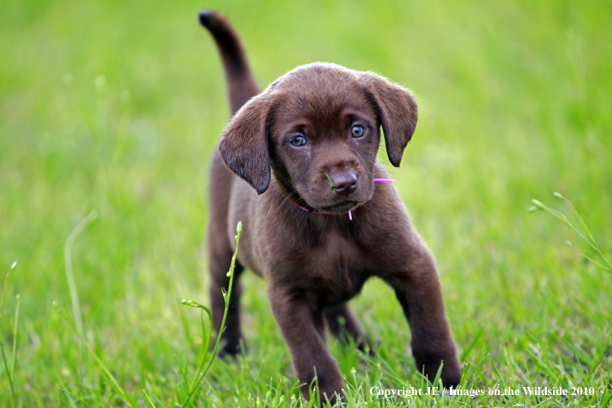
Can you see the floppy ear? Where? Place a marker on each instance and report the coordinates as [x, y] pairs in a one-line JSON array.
[[397, 111], [244, 143]]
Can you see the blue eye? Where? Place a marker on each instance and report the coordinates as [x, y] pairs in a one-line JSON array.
[[357, 131], [298, 141]]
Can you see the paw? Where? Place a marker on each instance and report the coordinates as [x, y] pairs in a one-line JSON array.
[[451, 372]]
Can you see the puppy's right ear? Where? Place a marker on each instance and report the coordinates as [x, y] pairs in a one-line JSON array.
[[244, 143], [397, 111]]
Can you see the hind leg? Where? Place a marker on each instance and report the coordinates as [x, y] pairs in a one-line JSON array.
[[220, 255], [231, 335], [343, 325]]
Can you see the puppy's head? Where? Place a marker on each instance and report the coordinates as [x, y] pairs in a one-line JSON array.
[[317, 128]]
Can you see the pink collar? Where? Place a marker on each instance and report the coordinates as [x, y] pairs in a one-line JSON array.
[[350, 215]]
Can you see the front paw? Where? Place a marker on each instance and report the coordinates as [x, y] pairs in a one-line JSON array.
[[451, 370], [329, 389]]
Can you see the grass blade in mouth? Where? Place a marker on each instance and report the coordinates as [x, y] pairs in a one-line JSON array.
[[331, 183]]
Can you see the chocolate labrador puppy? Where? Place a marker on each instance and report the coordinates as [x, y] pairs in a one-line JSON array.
[[297, 164]]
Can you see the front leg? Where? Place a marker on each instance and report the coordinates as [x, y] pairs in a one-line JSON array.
[[418, 290], [303, 328]]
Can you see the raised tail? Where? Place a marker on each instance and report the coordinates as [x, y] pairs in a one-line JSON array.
[[241, 85]]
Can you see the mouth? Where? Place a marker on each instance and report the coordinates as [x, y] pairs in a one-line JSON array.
[[341, 207]]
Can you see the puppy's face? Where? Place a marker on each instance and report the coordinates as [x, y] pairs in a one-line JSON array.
[[318, 128], [323, 140]]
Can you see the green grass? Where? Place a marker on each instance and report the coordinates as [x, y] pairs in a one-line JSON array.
[[113, 109]]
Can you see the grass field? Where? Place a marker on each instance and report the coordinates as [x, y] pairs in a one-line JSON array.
[[109, 112]]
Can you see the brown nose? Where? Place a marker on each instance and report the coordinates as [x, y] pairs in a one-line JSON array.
[[344, 183]]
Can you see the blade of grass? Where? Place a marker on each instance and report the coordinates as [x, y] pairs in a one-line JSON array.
[[200, 375], [437, 382], [313, 390], [606, 399], [204, 344], [14, 357], [110, 398], [4, 359], [577, 214], [148, 399], [61, 389], [591, 242], [585, 226], [205, 338], [569, 243], [559, 215], [74, 294], [331, 183], [118, 388], [185, 325], [475, 340], [11, 269]]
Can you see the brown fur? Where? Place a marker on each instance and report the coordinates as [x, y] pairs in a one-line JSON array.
[[314, 263]]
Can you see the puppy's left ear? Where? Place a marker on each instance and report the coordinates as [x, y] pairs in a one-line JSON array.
[[397, 112], [244, 143]]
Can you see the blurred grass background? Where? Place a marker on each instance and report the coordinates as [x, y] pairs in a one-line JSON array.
[[116, 106]]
